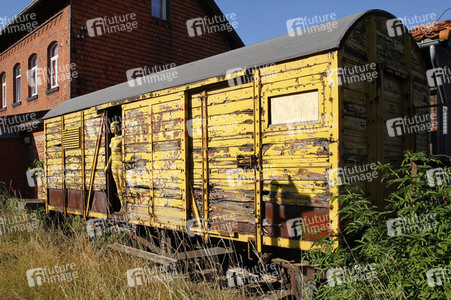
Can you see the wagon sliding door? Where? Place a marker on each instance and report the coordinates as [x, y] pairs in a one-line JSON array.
[[154, 161], [222, 169], [295, 156], [137, 159], [168, 165]]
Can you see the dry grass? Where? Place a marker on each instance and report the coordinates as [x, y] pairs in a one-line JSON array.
[[100, 273]]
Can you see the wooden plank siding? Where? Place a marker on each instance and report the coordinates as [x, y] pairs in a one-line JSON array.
[[366, 106], [216, 146]]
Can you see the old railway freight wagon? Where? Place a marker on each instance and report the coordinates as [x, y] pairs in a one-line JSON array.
[[244, 138]]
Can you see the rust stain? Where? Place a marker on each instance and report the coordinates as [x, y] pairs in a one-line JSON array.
[[266, 147], [247, 147]]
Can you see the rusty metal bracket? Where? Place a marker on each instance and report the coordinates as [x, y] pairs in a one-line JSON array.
[[298, 280], [246, 161]]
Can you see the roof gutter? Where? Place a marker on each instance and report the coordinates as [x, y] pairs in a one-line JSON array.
[[428, 44]]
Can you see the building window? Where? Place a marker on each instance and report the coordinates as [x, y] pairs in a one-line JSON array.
[[3, 90], [33, 76], [17, 84], [54, 66], [160, 9]]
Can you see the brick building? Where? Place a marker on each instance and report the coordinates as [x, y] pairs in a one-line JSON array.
[[434, 41], [56, 50]]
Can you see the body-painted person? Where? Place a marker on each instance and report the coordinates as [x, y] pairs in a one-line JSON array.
[[115, 161]]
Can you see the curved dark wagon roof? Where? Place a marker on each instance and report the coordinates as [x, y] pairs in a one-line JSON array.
[[275, 50]]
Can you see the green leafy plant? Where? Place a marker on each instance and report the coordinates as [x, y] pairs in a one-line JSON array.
[[402, 260], [38, 163]]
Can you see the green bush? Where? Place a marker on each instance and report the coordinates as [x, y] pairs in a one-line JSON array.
[[399, 262]]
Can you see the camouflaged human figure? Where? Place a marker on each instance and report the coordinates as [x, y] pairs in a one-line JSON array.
[[115, 161]]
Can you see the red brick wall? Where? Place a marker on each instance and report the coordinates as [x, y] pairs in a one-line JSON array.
[[17, 156], [100, 61], [37, 42], [38, 145], [36, 152], [104, 59], [13, 167]]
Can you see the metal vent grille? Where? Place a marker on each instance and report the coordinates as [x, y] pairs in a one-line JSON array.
[[71, 138]]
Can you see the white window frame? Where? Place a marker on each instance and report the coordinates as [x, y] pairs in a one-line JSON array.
[[34, 72], [54, 69], [3, 90], [18, 79]]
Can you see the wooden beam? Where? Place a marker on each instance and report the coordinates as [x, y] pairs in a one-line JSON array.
[[205, 172], [63, 167], [185, 157], [94, 163], [374, 112], [46, 170], [203, 253], [144, 242], [83, 162], [159, 259]]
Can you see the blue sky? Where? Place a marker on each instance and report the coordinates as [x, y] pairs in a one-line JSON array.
[[259, 20]]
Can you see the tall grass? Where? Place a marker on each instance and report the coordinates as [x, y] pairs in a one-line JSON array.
[[401, 260], [99, 273]]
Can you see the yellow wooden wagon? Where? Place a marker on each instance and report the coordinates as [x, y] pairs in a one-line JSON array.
[[244, 139]]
